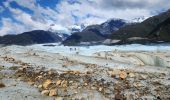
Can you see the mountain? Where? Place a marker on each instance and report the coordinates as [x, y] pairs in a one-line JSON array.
[[162, 31], [95, 34], [32, 37], [108, 27], [85, 37], [141, 32]]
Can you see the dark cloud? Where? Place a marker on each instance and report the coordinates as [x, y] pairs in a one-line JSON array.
[[117, 4], [134, 4]]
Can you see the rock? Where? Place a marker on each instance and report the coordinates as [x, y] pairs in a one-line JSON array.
[[85, 84], [39, 77], [35, 85], [137, 84], [51, 71], [114, 73], [64, 83], [129, 96], [2, 85], [31, 83], [107, 91], [21, 69], [40, 86], [53, 92], [45, 92], [20, 79], [89, 72], [73, 98], [47, 83], [143, 77], [12, 68], [1, 67], [70, 82], [58, 98], [100, 89], [131, 75], [118, 96], [122, 74], [74, 72], [58, 82], [147, 98], [93, 88], [75, 92]]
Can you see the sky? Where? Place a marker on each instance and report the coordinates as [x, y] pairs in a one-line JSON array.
[[18, 16]]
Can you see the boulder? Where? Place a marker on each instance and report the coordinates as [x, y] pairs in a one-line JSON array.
[[53, 92], [47, 83], [45, 92]]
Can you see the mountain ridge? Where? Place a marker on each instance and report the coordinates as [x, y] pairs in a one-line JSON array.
[[32, 37]]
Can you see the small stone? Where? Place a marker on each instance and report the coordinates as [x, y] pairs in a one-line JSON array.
[[129, 96], [100, 89], [35, 85], [40, 86], [47, 83], [107, 91], [58, 98], [2, 85], [131, 75], [118, 96], [20, 78], [64, 84], [113, 73], [75, 92], [13, 68], [39, 77], [88, 72], [123, 75], [53, 92], [73, 98], [45, 92], [58, 82], [93, 88], [148, 98], [76, 72], [21, 69], [70, 82], [85, 84], [31, 83], [137, 84], [143, 77], [51, 71], [83, 98]]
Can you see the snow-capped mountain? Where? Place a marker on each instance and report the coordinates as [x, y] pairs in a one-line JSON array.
[[95, 33], [109, 26]]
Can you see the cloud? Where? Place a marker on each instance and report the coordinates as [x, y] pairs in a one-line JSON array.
[[69, 12], [9, 27], [98, 11], [1, 9]]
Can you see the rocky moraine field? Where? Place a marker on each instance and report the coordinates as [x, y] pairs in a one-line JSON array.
[[51, 72]]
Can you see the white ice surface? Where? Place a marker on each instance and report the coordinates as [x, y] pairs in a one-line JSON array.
[[88, 51]]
